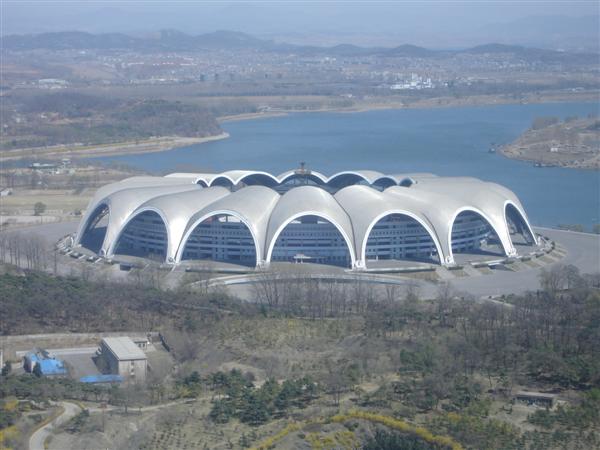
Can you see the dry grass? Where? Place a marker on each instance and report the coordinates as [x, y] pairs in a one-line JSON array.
[[55, 200]]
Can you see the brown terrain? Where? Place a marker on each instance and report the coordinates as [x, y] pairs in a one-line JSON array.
[[574, 143]]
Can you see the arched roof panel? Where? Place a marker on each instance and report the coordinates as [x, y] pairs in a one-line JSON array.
[[259, 178], [123, 204], [103, 194], [252, 205], [304, 201], [318, 177], [180, 207], [385, 181], [366, 206], [481, 197], [367, 175], [437, 208], [253, 176]]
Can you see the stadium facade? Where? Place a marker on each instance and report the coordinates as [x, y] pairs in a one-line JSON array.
[[349, 219]]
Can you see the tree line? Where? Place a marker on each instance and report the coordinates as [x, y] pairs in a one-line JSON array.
[[70, 118]]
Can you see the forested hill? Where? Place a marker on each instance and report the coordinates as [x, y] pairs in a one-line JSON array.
[[70, 117]]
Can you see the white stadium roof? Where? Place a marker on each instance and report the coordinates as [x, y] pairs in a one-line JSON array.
[[353, 201]]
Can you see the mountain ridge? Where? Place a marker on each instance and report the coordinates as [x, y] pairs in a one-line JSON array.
[[173, 40]]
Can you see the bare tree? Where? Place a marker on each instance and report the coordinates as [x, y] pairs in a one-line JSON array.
[[391, 293], [205, 274], [15, 248], [268, 288], [3, 247], [35, 251], [444, 302], [184, 345], [553, 280]]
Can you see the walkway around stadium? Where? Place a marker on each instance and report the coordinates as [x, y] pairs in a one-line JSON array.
[[579, 249]]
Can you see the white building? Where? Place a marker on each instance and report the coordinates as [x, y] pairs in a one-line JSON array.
[[347, 219]]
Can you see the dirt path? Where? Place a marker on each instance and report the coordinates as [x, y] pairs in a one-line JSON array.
[[70, 410], [37, 439]]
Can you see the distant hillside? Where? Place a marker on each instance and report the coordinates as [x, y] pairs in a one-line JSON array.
[[173, 40], [69, 40], [164, 40], [410, 51]]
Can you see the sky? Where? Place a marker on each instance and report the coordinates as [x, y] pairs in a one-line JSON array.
[[437, 24]]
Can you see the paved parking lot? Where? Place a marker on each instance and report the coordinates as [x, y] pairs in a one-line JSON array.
[[79, 364]]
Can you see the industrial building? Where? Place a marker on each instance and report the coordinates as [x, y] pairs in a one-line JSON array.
[[350, 219], [121, 356], [47, 365]]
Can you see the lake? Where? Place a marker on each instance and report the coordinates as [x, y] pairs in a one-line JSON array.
[[444, 141]]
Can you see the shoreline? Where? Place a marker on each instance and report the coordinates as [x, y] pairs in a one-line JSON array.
[[569, 145], [251, 116], [432, 103], [509, 154], [154, 145], [166, 143]]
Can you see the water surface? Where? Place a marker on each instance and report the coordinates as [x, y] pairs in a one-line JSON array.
[[444, 141]]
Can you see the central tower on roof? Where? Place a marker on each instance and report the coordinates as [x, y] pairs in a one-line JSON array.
[[302, 170]]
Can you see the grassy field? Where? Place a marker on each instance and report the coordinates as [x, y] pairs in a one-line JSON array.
[[57, 201]]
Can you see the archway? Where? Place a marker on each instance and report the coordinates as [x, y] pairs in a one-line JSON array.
[[222, 181], [520, 233], [343, 180], [296, 180], [384, 182], [259, 179], [472, 234], [400, 237], [95, 229], [220, 237], [311, 239], [145, 235]]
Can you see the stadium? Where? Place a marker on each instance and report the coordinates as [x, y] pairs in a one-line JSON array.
[[353, 219]]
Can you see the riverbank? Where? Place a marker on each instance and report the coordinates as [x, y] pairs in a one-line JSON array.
[[251, 116], [152, 145], [165, 143], [571, 144], [360, 105]]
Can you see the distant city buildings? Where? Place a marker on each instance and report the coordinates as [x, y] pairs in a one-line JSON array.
[[252, 69], [416, 82]]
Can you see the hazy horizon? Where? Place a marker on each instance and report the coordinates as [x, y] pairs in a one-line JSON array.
[[547, 24]]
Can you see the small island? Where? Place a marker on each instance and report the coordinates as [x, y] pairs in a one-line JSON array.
[[550, 142]]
